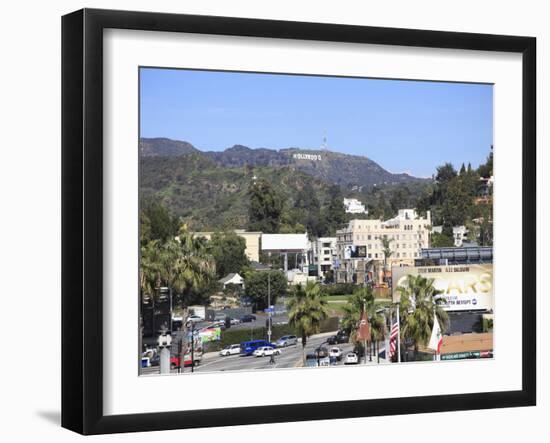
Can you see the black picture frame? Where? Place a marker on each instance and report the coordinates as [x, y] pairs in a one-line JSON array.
[[82, 218]]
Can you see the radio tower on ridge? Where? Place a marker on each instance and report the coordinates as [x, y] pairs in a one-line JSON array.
[[324, 146]]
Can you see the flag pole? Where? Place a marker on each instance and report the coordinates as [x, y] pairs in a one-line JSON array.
[[365, 338], [398, 336]]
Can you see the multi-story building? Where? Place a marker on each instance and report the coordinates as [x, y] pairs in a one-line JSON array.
[[323, 254], [354, 206], [407, 234]]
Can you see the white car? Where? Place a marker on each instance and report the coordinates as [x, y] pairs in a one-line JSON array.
[[235, 321], [265, 351], [351, 358], [194, 318], [230, 350], [336, 353]]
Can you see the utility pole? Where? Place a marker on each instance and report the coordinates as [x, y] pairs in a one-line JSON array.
[[269, 306]]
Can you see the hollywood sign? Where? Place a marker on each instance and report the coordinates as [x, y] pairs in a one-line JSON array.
[[300, 156]]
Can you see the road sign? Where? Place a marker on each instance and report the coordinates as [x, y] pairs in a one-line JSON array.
[[269, 310]]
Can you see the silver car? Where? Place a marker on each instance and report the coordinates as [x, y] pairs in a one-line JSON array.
[[287, 340]]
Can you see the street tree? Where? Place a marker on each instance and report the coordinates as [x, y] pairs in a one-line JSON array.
[[363, 298], [258, 283], [228, 251], [307, 308], [419, 302]]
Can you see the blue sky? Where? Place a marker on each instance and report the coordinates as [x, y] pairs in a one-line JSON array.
[[405, 126]]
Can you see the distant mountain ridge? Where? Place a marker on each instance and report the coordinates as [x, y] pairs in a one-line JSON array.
[[329, 166]]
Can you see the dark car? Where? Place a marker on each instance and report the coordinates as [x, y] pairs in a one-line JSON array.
[[340, 337], [321, 352], [247, 318]]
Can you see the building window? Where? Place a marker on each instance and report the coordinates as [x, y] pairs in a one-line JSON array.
[[370, 255], [368, 237], [376, 255]]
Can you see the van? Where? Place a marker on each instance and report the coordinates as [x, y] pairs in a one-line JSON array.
[[248, 347]]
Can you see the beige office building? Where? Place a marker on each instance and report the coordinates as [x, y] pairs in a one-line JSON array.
[[408, 234]]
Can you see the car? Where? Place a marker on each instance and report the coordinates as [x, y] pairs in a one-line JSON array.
[[340, 337], [220, 318], [321, 352], [234, 321], [217, 324], [230, 350], [247, 318], [248, 347], [175, 360], [287, 340], [336, 352], [264, 351], [195, 318], [351, 358]]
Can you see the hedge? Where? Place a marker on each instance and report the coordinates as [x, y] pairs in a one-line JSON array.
[[231, 336]]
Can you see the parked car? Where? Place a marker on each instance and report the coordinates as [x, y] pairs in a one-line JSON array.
[[247, 318], [234, 321], [195, 318], [287, 340], [220, 318], [351, 358], [340, 337], [336, 353], [248, 347], [264, 351]]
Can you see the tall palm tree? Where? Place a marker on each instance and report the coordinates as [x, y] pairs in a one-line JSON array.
[[386, 250], [420, 301], [307, 308], [363, 299]]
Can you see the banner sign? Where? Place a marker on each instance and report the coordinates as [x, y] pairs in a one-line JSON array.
[[354, 251], [463, 287], [207, 335]]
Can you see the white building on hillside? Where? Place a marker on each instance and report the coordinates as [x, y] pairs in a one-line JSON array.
[[354, 206], [460, 234]]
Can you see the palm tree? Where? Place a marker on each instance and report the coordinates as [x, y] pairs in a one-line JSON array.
[[363, 299], [182, 264], [386, 250], [307, 308], [419, 303]]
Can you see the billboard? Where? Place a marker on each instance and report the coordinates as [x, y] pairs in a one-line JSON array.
[[463, 287], [354, 251]]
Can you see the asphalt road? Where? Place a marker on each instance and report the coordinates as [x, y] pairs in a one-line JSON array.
[[290, 357]]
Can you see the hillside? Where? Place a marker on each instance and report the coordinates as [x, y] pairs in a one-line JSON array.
[[331, 167], [209, 196]]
